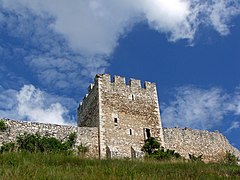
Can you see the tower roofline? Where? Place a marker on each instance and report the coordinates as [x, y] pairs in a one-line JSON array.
[[119, 80]]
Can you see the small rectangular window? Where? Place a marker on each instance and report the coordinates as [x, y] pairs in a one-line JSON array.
[[130, 131], [115, 120], [147, 133]]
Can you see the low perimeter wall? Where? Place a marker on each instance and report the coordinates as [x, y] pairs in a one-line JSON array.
[[212, 145], [87, 136]]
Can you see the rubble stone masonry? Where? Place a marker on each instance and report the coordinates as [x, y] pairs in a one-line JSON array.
[[211, 145], [87, 136], [125, 114], [129, 114]]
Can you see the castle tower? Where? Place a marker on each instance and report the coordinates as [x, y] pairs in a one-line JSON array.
[[125, 115]]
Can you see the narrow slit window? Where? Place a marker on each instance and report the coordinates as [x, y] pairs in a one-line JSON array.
[[115, 120], [130, 131], [133, 97]]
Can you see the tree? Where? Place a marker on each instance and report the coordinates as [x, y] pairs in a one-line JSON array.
[[153, 149], [151, 146]]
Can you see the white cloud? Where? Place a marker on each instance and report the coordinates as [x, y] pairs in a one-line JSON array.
[[181, 19], [200, 108], [194, 107], [31, 106], [35, 105], [91, 27], [71, 41], [172, 17], [8, 103], [94, 27], [234, 125], [67, 72], [221, 12], [235, 105]]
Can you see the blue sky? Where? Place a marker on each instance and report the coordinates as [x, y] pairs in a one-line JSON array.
[[51, 50]]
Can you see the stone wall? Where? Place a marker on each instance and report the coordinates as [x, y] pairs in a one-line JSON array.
[[87, 136], [88, 110], [212, 145], [127, 111]]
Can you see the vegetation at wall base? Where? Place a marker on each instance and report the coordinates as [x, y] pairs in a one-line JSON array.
[[34, 143], [25, 165], [230, 159], [194, 158], [153, 149], [39, 157], [82, 150]]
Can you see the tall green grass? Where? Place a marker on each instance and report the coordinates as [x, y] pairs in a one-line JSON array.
[[22, 165]]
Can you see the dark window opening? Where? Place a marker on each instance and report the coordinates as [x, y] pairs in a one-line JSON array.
[[130, 131], [115, 120], [148, 133], [133, 98]]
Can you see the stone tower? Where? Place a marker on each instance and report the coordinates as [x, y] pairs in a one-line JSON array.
[[125, 115]]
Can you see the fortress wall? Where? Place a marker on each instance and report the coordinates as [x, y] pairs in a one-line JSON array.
[[14, 128], [212, 145], [86, 136]]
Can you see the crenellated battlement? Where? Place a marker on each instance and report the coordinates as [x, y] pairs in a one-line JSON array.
[[117, 81], [121, 82], [135, 83]]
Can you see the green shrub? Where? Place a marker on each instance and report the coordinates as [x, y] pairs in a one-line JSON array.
[[28, 142], [34, 143], [71, 140], [153, 149], [82, 150], [167, 154], [151, 146], [194, 158], [3, 126], [51, 144], [230, 159]]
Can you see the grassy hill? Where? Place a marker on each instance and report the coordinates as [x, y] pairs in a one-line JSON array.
[[56, 166]]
